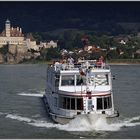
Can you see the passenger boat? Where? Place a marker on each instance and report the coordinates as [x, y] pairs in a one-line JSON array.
[[78, 89]]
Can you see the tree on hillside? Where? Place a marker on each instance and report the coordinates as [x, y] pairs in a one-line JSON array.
[[50, 53], [37, 36], [4, 49]]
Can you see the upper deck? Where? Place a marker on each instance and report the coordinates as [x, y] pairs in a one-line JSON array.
[[79, 78], [83, 65]]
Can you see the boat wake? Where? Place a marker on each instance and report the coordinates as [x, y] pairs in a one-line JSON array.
[[100, 123], [30, 121], [32, 94], [19, 118], [81, 123]]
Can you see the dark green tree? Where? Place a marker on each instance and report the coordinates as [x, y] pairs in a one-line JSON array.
[[52, 53], [4, 49]]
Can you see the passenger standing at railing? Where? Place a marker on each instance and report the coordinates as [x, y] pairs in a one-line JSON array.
[[100, 63], [70, 62], [64, 64], [57, 66]]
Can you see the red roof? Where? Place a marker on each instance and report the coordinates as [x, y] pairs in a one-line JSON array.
[[13, 33]]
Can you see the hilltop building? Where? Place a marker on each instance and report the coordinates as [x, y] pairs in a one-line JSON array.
[[31, 43], [48, 44], [11, 35], [14, 36]]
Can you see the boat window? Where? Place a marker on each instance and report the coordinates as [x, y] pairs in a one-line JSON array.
[[101, 79], [67, 80], [71, 103], [89, 104], [65, 102], [104, 103], [57, 80], [109, 102], [61, 102], [80, 80], [99, 103], [79, 103]]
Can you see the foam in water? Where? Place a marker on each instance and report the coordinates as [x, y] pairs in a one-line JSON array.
[[44, 124], [19, 118], [31, 94], [81, 123], [1, 113], [33, 122], [89, 123]]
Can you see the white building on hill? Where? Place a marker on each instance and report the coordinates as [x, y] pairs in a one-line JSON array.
[[11, 35], [48, 44], [14, 36]]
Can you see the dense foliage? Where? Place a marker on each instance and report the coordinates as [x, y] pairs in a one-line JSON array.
[[50, 53], [77, 39]]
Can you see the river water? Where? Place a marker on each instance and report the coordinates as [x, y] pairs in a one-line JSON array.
[[22, 112]]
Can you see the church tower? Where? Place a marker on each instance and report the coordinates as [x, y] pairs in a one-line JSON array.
[[7, 28]]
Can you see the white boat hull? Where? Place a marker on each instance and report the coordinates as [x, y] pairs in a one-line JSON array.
[[64, 119], [79, 90]]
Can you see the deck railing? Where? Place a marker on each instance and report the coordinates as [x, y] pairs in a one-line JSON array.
[[86, 64]]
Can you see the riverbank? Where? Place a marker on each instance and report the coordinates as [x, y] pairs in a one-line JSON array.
[[123, 61], [110, 62]]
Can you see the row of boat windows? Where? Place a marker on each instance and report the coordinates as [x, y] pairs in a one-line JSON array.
[[71, 80], [71, 103], [104, 103], [77, 103]]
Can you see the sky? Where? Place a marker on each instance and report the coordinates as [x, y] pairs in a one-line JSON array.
[[47, 15]]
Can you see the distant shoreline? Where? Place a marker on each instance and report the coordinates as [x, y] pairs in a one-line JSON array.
[[110, 62], [124, 62]]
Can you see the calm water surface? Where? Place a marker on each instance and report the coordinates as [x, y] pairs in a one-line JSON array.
[[22, 113]]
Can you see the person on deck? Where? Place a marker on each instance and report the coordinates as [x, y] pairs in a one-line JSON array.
[[100, 63], [70, 60]]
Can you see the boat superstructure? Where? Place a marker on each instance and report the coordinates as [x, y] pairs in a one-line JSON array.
[[76, 89]]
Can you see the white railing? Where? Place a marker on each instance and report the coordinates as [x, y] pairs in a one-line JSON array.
[[85, 64]]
